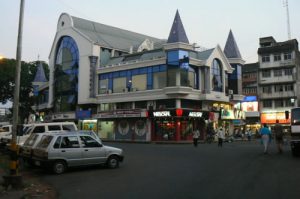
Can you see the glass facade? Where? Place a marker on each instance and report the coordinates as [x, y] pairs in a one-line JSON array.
[[147, 78], [178, 63], [217, 77], [177, 71], [66, 75]]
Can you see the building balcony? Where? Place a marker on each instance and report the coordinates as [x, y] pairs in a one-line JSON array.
[[249, 79], [279, 79], [277, 64], [163, 93], [178, 90], [277, 95]]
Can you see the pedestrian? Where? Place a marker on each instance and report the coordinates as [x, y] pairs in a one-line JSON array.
[[221, 136], [210, 133], [265, 136], [249, 134], [196, 135], [278, 131]]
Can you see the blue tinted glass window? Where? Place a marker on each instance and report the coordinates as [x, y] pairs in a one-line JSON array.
[[66, 74], [173, 57], [216, 74]]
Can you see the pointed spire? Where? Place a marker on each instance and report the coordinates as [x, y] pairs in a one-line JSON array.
[[177, 33], [40, 74], [231, 49]]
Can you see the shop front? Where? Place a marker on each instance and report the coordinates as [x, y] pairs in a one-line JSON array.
[[176, 124], [271, 117], [233, 120], [123, 125]]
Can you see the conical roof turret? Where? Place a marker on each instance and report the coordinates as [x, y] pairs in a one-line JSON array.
[[231, 49], [177, 33], [40, 74]]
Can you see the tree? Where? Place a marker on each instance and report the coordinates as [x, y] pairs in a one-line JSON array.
[[7, 82]]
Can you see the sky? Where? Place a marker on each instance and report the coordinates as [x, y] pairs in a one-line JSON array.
[[206, 22]]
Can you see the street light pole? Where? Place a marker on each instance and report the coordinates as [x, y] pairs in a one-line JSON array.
[[14, 179]]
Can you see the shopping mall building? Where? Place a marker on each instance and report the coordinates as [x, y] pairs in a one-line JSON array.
[[130, 86]]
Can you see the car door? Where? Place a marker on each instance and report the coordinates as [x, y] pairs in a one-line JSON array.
[[70, 150], [93, 151]]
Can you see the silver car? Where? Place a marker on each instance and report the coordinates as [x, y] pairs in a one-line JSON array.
[[62, 150], [27, 148]]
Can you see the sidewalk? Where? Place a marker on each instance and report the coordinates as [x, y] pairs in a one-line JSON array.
[[33, 187]]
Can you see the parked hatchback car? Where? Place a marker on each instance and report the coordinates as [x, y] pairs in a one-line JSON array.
[[27, 148], [62, 150], [29, 129]]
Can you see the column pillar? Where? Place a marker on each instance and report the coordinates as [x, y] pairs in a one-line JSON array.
[[93, 66]]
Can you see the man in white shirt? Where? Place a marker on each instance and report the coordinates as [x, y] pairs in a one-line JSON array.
[[196, 135], [221, 136]]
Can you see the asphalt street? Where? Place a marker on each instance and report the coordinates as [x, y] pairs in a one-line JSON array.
[[238, 170]]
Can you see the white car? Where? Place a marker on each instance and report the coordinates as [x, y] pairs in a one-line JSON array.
[[28, 129], [31, 143], [58, 151]]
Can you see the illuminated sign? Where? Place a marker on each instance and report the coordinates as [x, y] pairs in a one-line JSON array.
[[270, 118], [195, 114], [250, 98], [250, 106], [162, 114], [232, 114]]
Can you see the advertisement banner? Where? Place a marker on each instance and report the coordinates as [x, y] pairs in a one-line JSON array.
[[270, 118]]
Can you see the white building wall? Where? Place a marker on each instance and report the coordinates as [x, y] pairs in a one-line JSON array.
[[86, 48]]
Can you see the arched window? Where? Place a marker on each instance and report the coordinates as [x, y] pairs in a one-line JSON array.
[[66, 75], [216, 76]]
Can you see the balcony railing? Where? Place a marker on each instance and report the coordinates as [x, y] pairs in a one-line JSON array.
[[283, 94]]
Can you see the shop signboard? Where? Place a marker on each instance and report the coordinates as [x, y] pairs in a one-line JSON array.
[[250, 106], [195, 114], [63, 116], [83, 114], [120, 114], [161, 114], [232, 114], [179, 113], [270, 118]]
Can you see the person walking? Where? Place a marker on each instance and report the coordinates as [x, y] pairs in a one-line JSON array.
[[221, 137], [249, 134], [278, 131], [265, 136], [196, 135]]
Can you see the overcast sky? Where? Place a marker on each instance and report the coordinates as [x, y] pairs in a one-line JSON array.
[[206, 22]]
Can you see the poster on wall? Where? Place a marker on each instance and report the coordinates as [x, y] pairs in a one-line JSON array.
[[232, 114], [131, 130], [249, 106], [140, 128]]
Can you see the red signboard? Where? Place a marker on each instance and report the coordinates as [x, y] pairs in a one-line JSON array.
[[270, 118]]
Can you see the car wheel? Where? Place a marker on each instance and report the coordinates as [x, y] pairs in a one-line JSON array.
[[113, 162], [59, 167]]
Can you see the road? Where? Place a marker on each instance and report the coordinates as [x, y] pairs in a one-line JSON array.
[[238, 170]]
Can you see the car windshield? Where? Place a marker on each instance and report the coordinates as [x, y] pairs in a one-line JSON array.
[[90, 133], [27, 129], [45, 141], [31, 140], [4, 129]]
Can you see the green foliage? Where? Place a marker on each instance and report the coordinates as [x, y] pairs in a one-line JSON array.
[[7, 81]]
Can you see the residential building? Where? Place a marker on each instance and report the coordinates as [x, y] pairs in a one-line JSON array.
[[250, 102], [278, 79]]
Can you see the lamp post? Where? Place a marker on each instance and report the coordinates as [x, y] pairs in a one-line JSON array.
[[15, 180]]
